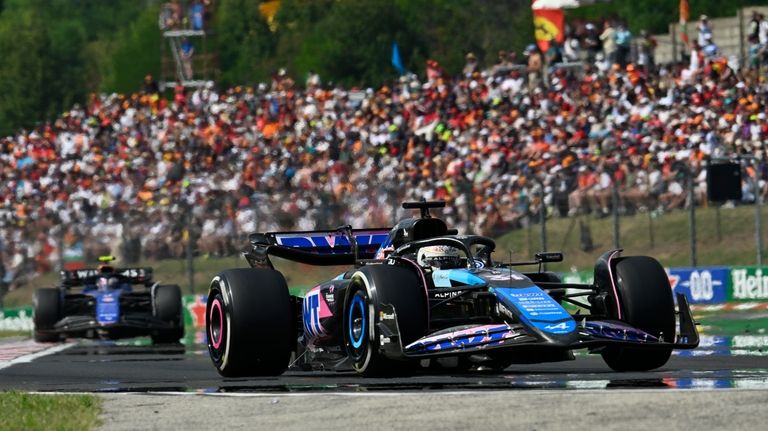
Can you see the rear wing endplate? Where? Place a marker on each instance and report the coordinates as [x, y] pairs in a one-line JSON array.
[[343, 246]]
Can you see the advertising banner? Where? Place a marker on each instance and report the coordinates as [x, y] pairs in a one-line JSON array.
[[194, 310], [708, 285], [749, 283], [577, 277], [16, 319]]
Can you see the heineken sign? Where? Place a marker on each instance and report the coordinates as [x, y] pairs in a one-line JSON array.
[[16, 319], [749, 283]]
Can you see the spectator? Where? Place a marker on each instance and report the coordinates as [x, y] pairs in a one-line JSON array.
[[623, 39], [470, 66], [592, 43], [313, 80], [646, 57], [758, 38], [197, 13], [150, 85], [535, 66], [209, 166], [572, 49], [503, 63], [187, 51], [704, 29], [608, 39]]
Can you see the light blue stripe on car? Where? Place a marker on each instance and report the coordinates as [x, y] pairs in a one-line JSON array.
[[443, 277]]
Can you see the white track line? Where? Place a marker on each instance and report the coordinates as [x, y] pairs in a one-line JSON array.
[[403, 393], [32, 356]]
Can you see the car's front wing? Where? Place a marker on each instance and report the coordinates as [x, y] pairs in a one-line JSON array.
[[127, 326], [592, 334]]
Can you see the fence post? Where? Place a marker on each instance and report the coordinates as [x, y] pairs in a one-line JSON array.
[[651, 233], [718, 224], [190, 251], [542, 217], [673, 31], [615, 205], [469, 197], [758, 211], [396, 202], [529, 232], [742, 55], [543, 221], [691, 216]]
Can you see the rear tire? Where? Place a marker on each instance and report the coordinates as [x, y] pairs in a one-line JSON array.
[[46, 313], [373, 286], [166, 306], [250, 323], [646, 303]]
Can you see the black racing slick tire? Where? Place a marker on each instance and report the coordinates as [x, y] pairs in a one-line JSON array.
[[46, 312], [371, 287], [646, 303], [167, 306], [250, 323]]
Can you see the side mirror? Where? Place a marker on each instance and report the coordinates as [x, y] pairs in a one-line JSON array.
[[549, 256]]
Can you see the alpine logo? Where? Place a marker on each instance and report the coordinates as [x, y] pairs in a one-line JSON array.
[[561, 325], [312, 315]]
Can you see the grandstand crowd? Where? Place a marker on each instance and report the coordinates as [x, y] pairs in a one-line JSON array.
[[137, 174]]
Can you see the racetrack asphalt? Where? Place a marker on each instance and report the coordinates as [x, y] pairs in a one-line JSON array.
[[722, 384], [620, 410], [95, 366]]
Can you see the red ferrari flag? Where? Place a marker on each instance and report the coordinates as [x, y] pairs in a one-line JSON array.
[[684, 15], [548, 25]]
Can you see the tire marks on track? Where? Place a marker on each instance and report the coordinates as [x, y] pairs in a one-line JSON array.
[[19, 352]]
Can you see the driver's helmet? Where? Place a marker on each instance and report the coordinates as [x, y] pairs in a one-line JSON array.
[[104, 283], [439, 257]]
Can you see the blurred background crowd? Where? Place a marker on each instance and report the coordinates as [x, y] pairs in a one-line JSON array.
[[143, 175]]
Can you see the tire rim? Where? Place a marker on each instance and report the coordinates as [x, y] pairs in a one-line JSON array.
[[357, 322], [216, 323]]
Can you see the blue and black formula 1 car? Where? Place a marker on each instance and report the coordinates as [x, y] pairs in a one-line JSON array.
[[420, 291], [108, 302]]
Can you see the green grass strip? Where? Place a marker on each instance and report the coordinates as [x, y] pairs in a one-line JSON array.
[[22, 411], [4, 334]]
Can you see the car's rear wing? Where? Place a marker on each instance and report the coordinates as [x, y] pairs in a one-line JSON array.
[[343, 246], [82, 277]]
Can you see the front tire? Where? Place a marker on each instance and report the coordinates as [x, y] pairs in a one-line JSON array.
[[646, 303], [46, 313], [250, 323], [166, 306], [372, 287]]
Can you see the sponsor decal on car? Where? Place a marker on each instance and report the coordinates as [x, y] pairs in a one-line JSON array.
[[479, 337], [315, 308], [107, 307], [330, 242], [537, 309], [504, 275]]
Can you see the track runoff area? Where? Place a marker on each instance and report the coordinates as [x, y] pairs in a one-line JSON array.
[[723, 383]]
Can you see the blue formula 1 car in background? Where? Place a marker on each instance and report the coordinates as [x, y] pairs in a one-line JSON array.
[[108, 302], [419, 295]]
